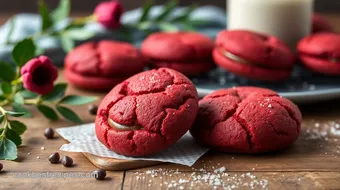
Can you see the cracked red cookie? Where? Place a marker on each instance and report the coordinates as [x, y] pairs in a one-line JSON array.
[[186, 52], [321, 53], [253, 55], [246, 120], [147, 113], [102, 65], [320, 24]]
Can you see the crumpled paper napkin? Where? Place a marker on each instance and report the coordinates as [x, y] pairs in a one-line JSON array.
[[82, 138]]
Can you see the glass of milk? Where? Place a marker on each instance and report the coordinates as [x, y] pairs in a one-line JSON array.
[[289, 20]]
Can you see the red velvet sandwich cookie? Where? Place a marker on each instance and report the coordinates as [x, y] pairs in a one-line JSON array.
[[246, 120], [320, 24], [147, 113], [186, 52], [102, 65], [321, 53], [253, 55]]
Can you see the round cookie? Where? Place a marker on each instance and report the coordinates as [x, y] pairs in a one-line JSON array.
[[321, 53], [102, 65], [186, 52], [147, 113], [320, 24], [253, 55], [246, 120]]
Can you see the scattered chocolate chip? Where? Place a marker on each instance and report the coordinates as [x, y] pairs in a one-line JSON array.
[[93, 109], [49, 133], [1, 166], [54, 158], [99, 174], [67, 161]]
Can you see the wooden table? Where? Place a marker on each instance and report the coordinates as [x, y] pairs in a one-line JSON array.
[[313, 162]]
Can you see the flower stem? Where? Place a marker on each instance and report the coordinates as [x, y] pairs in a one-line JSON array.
[[32, 101], [4, 113]]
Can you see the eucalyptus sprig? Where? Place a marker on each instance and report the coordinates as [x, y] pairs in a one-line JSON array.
[[55, 23], [164, 21], [13, 94]]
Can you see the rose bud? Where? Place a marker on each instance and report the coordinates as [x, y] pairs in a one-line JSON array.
[[108, 14], [39, 75]]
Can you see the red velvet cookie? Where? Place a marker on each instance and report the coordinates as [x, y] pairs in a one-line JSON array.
[[186, 52], [320, 24], [147, 113], [246, 120], [321, 53], [253, 55], [102, 65]]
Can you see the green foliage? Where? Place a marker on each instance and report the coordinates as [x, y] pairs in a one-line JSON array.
[[23, 52], [68, 114], [77, 100], [46, 19], [8, 150], [62, 11], [6, 71], [48, 112]]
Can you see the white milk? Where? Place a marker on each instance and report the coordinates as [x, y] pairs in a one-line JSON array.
[[289, 20]]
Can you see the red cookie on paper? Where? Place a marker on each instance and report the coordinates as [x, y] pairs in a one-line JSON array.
[[246, 120], [147, 113], [186, 52], [102, 65], [321, 53], [253, 55]]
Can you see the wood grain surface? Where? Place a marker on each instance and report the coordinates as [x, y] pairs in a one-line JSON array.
[[311, 163]]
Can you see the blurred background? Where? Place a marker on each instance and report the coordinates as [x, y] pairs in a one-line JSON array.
[[79, 6]]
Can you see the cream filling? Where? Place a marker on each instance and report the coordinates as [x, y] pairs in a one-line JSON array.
[[123, 127], [236, 58]]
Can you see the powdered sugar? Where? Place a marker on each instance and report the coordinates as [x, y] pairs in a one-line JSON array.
[[218, 179]]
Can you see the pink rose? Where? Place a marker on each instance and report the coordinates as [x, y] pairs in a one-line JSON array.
[[39, 75], [108, 14]]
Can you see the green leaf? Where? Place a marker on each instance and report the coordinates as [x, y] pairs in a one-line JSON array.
[[28, 94], [6, 88], [68, 114], [197, 22], [167, 27], [145, 11], [144, 25], [187, 27], [23, 52], [77, 100], [20, 108], [6, 72], [48, 112], [18, 126], [78, 34], [15, 114], [19, 99], [169, 7], [57, 92], [62, 11], [66, 43], [13, 136], [185, 15], [46, 19], [8, 150]]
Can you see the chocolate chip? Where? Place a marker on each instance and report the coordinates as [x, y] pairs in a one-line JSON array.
[[67, 161], [93, 109], [1, 166], [49, 133], [99, 174], [54, 158]]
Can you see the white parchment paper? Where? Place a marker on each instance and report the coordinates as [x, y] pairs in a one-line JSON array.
[[82, 138]]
